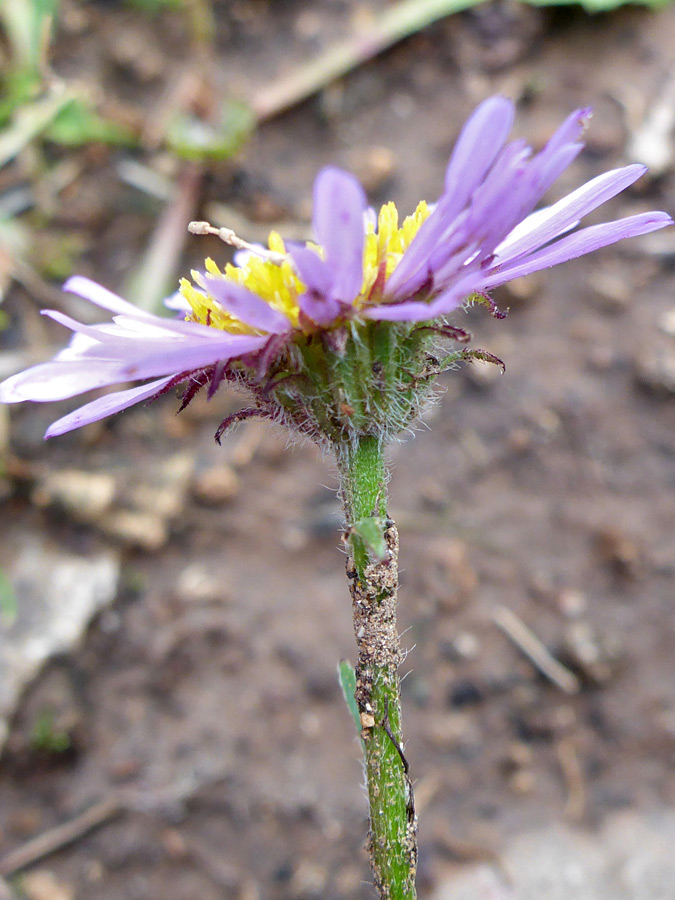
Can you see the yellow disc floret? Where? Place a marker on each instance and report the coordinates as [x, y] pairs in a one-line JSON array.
[[386, 245], [278, 284]]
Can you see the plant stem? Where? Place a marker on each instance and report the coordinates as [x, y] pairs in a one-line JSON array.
[[374, 585]]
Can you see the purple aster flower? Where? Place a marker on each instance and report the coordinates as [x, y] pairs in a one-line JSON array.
[[304, 327]]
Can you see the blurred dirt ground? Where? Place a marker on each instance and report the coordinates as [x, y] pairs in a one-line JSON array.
[[203, 705]]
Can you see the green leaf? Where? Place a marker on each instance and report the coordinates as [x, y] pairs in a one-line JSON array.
[[8, 603], [597, 6], [77, 124], [46, 736], [196, 140], [371, 532], [347, 679], [31, 120], [155, 6], [27, 24]]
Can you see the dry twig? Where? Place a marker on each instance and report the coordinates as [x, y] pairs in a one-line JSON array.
[[530, 645], [573, 775], [60, 836]]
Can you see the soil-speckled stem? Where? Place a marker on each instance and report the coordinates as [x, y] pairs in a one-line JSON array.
[[373, 577]]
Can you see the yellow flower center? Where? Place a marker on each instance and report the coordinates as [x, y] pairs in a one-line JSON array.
[[280, 286], [385, 246]]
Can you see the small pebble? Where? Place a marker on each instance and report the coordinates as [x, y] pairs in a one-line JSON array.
[[86, 495], [373, 166], [42, 884], [309, 880], [594, 656], [199, 583], [611, 292], [571, 602], [667, 322], [655, 370], [136, 529], [619, 551], [523, 782], [463, 646], [216, 485], [466, 693]]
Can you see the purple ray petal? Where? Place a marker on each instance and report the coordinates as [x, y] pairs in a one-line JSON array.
[[188, 356], [105, 406], [107, 359], [477, 147], [571, 129], [414, 311], [417, 311], [339, 206], [57, 380], [313, 271], [567, 212], [578, 244], [247, 307], [99, 295], [321, 310], [515, 195]]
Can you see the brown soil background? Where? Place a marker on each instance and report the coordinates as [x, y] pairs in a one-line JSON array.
[[208, 692]]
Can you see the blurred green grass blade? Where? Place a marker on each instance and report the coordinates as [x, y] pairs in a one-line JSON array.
[[77, 124], [347, 679], [8, 603], [26, 24], [31, 120], [598, 6], [196, 140]]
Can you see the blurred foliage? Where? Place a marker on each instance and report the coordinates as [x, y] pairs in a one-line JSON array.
[[78, 123], [194, 139], [8, 602], [34, 103], [47, 736], [155, 6], [347, 679], [27, 25], [599, 6]]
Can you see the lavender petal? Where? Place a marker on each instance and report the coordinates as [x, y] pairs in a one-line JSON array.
[[321, 310], [586, 240], [567, 212], [56, 380], [477, 147], [247, 307], [99, 296], [313, 271], [571, 129], [339, 207], [105, 406]]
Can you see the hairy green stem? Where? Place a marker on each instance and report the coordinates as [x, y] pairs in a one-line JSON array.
[[372, 568]]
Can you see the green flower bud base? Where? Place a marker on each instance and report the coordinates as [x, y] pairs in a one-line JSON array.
[[363, 378]]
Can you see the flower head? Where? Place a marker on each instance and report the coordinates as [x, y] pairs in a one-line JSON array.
[[340, 337]]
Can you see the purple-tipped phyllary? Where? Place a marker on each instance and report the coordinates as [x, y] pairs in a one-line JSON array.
[[290, 323]]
